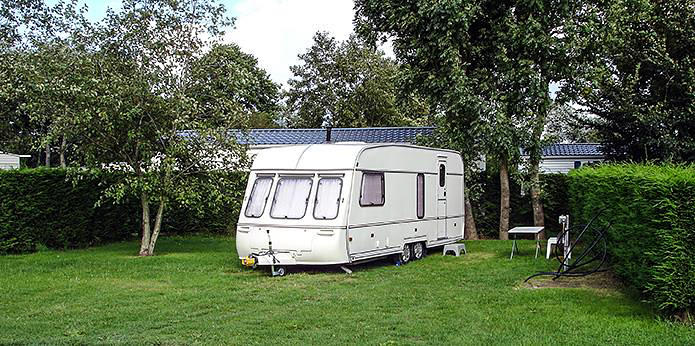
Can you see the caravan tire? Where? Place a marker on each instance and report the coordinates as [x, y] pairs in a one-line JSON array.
[[418, 251], [406, 255]]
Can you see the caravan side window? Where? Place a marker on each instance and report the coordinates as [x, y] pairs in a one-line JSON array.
[[372, 193], [328, 198], [420, 200], [442, 175], [291, 197], [258, 197]]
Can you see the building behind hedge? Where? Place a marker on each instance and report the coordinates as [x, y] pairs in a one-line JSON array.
[[11, 161], [563, 157]]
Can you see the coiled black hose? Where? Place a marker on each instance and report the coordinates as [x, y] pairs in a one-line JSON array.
[[584, 263]]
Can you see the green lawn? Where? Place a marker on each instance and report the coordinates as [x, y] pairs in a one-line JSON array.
[[195, 291]]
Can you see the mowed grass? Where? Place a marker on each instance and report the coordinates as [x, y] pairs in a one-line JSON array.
[[195, 291]]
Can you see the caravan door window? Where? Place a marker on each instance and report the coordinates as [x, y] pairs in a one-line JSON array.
[[258, 197], [372, 193], [442, 175], [328, 198]]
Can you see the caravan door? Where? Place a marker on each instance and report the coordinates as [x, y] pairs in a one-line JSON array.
[[441, 198]]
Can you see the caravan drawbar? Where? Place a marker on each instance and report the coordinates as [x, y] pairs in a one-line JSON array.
[[339, 204]]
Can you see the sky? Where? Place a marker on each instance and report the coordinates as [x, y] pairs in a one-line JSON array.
[[274, 31]]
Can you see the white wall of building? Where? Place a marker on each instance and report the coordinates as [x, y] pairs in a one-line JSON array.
[[565, 164], [9, 161]]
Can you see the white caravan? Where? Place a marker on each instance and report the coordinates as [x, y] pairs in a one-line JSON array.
[[337, 204]]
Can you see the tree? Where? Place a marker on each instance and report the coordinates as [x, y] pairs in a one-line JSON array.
[[138, 116], [16, 129], [226, 80], [542, 52], [37, 60], [55, 75], [639, 80], [493, 60], [345, 84], [451, 51]]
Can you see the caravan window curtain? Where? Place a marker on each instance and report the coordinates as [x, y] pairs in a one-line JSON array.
[[372, 193], [291, 198], [258, 197], [328, 198]]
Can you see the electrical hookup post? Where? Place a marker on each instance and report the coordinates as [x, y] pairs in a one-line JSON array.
[[566, 248]]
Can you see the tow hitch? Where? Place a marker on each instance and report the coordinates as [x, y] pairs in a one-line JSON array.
[[252, 261]]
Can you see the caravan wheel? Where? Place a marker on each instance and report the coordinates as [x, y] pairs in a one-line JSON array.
[[406, 254], [418, 251]]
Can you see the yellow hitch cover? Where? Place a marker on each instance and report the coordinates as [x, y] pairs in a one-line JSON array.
[[248, 261]]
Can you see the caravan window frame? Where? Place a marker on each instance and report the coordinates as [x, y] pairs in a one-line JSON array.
[[306, 205], [383, 189], [265, 199], [316, 198], [420, 198], [442, 175]]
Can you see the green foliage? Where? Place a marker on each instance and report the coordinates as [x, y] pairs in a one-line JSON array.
[[228, 81], [42, 73], [60, 209], [487, 65], [147, 111], [43, 207], [486, 208], [651, 240], [347, 84], [145, 89], [639, 79]]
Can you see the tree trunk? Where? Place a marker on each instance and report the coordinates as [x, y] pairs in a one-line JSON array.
[[504, 198], [535, 158], [157, 227], [538, 215], [145, 242], [48, 154], [470, 230], [62, 152]]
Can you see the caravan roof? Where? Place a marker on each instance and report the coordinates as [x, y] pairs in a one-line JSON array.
[[338, 156]]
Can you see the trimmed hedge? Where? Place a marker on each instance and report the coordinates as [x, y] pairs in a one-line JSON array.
[[652, 239], [42, 207]]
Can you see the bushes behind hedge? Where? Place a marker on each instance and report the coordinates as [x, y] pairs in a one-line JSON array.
[[486, 207], [652, 239], [43, 206]]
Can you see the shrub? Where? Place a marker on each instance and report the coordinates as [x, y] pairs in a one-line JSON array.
[[652, 240], [486, 207], [42, 206]]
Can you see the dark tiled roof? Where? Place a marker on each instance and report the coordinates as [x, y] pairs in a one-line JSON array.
[[317, 136], [570, 149]]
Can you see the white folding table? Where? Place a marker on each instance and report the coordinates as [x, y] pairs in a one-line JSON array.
[[535, 230]]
